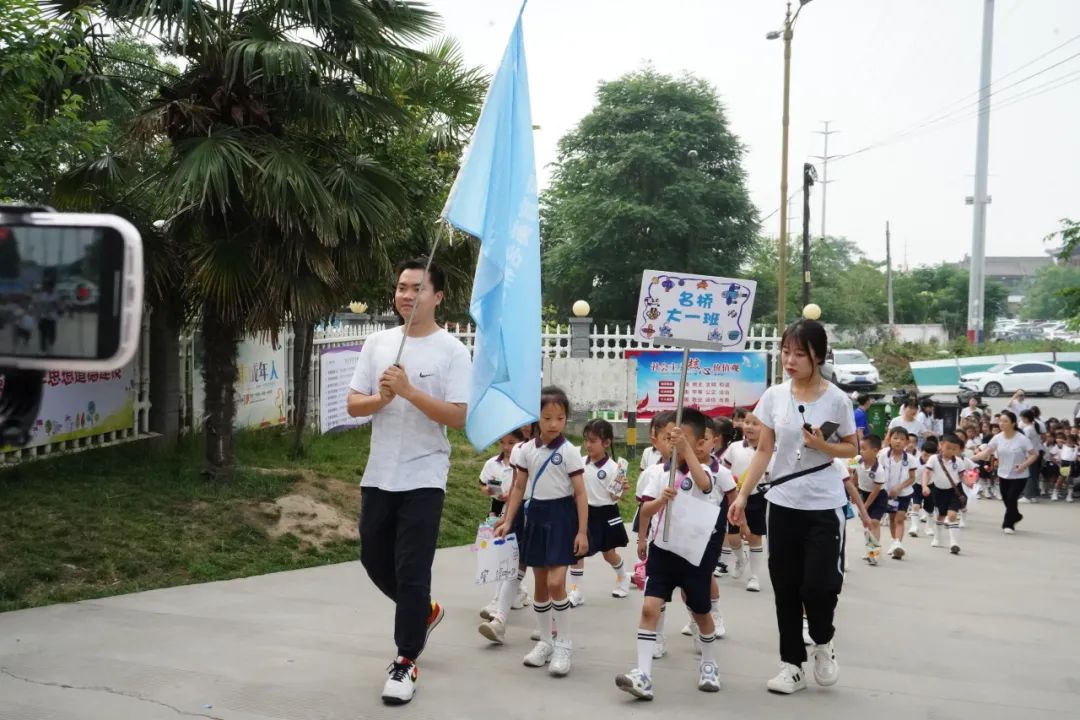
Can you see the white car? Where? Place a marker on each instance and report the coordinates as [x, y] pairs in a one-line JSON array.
[[1031, 377], [851, 370]]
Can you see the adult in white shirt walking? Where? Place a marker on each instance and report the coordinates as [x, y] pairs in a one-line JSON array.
[[401, 495], [805, 521], [1015, 456], [1029, 426], [907, 419]]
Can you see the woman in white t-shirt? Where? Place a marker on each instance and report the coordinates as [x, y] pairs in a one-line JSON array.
[[1015, 455], [806, 499], [907, 419]]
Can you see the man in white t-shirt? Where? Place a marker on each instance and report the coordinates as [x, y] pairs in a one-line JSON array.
[[401, 495]]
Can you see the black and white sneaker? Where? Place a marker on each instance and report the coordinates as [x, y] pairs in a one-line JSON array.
[[400, 682]]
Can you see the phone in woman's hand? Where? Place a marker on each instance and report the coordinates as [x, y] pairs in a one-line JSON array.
[[828, 428]]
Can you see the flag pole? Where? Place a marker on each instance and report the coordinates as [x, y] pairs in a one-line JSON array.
[[427, 272], [675, 449]]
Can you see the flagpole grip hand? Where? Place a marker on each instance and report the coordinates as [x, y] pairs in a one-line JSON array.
[[395, 382]]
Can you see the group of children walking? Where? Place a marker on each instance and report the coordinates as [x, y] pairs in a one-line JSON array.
[[561, 503]]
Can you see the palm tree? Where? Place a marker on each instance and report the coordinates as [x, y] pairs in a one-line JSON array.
[[263, 192]]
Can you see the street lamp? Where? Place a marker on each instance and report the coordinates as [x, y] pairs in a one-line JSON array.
[[781, 280]]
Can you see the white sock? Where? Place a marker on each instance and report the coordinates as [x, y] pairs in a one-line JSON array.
[[708, 647], [939, 530], [757, 561], [954, 534], [561, 618], [577, 578], [646, 641], [543, 620], [620, 571], [508, 592], [715, 608], [660, 623], [726, 556]]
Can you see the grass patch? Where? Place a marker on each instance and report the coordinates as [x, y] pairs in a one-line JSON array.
[[127, 519]]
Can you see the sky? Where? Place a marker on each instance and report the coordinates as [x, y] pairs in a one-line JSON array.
[[873, 68]]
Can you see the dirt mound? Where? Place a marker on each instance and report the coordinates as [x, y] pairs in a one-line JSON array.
[[317, 511]]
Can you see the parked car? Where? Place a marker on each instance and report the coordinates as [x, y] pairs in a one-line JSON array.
[[851, 370], [1031, 377]]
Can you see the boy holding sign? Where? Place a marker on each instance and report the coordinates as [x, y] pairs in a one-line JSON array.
[[666, 570]]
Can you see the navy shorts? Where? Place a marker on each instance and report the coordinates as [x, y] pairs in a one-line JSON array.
[[945, 501], [665, 571], [550, 528], [880, 506], [899, 504], [755, 516], [606, 529]]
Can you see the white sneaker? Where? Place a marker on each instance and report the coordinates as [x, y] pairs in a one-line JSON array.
[[1069, 498], [930, 531], [540, 655], [1023, 499], [826, 669], [400, 682], [897, 552], [687, 630], [560, 658], [636, 683], [936, 542], [753, 584], [790, 679], [1054, 496], [576, 597], [913, 531], [489, 610], [522, 600], [806, 639], [660, 648], [622, 587], [494, 630], [708, 678], [954, 549], [1008, 531], [718, 623]]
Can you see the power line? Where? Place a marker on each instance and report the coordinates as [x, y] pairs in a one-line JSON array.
[[938, 117]]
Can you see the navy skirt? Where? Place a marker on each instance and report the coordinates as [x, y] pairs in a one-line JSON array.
[[606, 529], [550, 528]]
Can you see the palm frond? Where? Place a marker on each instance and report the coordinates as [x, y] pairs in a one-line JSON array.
[[211, 170]]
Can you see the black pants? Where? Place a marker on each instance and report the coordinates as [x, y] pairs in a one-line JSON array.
[[806, 566], [46, 334], [1033, 490], [398, 532], [1010, 493]]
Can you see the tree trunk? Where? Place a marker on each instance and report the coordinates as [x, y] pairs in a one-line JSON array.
[[303, 341], [220, 340]]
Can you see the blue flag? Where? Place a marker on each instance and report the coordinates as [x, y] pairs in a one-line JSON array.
[[494, 198]]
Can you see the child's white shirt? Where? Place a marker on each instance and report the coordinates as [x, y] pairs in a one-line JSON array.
[[598, 476], [650, 457], [957, 466], [897, 471], [556, 481], [868, 477], [497, 475], [1068, 454]]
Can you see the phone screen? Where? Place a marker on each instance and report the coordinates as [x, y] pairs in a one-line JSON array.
[[828, 428], [60, 291]]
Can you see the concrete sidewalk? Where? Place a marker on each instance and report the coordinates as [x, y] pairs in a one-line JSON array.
[[989, 634]]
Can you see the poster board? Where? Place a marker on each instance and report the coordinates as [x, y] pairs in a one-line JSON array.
[[692, 310], [336, 367], [79, 404], [716, 382]]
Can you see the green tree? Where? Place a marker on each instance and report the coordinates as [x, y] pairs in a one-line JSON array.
[[1047, 297], [271, 211], [1069, 236], [652, 177], [849, 288], [939, 294]]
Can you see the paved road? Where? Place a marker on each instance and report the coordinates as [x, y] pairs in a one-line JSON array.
[[76, 336], [990, 634]]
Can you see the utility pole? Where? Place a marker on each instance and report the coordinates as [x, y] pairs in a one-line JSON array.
[[825, 157], [781, 280], [888, 281], [979, 201], [809, 176]]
